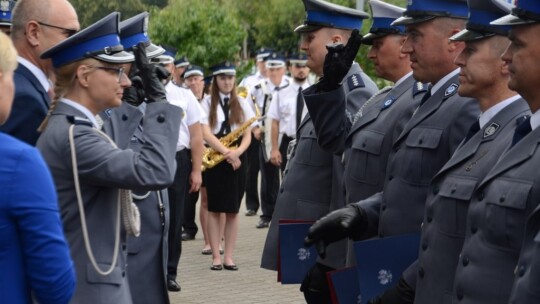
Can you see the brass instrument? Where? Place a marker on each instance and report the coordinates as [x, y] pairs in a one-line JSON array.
[[211, 157]]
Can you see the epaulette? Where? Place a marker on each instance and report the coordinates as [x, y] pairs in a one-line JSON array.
[[420, 87], [355, 81], [451, 90], [79, 121]]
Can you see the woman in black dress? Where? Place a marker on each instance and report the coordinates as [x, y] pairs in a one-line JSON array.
[[225, 183]]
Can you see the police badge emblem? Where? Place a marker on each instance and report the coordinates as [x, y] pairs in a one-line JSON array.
[[491, 129], [451, 90]]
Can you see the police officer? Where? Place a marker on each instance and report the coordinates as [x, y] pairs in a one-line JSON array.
[[428, 139], [89, 191], [181, 64], [286, 109], [483, 76], [311, 184], [6, 6], [506, 197]]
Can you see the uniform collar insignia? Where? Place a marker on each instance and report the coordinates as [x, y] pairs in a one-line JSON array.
[[451, 90], [491, 129]]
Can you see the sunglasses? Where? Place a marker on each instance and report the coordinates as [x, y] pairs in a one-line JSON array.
[[65, 31]]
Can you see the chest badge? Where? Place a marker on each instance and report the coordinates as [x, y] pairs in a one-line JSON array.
[[491, 129]]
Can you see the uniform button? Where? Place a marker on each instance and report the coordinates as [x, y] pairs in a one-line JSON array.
[[453, 190], [161, 118], [465, 261], [474, 229], [310, 132], [363, 145], [459, 294], [420, 141], [481, 196], [124, 117], [521, 271], [502, 199], [421, 272], [435, 190], [383, 207], [424, 246], [123, 273], [390, 177], [124, 246], [429, 219]]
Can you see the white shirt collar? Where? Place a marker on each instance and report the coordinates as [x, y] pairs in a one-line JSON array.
[[535, 120], [222, 96], [491, 112], [40, 75], [441, 82], [402, 79], [83, 109]]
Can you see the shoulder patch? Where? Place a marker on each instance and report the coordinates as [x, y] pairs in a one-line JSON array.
[[419, 88], [388, 102], [451, 90], [355, 81], [79, 121], [491, 129]]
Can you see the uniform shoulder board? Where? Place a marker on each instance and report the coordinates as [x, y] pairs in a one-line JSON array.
[[451, 90], [419, 88], [355, 81], [79, 121]]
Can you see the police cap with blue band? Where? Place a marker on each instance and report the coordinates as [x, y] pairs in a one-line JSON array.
[[6, 8], [134, 31], [320, 14], [424, 10], [525, 12], [181, 62], [100, 41], [298, 59], [224, 68], [167, 57], [383, 15], [193, 70], [274, 60], [481, 13], [263, 53]]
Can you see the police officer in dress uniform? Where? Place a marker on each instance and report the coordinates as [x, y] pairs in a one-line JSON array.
[[504, 200], [286, 109], [428, 139], [86, 64], [33, 90], [180, 67], [6, 6], [484, 76], [252, 178], [311, 183]]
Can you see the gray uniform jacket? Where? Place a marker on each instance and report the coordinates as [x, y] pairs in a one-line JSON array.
[[102, 171], [147, 253], [496, 223], [312, 183], [367, 145], [443, 230]]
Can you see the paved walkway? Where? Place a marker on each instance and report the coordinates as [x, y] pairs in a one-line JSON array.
[[249, 285]]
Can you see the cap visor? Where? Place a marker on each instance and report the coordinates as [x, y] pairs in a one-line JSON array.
[[369, 37], [305, 28], [467, 35], [405, 20], [2, 23], [511, 20], [120, 57], [153, 50]]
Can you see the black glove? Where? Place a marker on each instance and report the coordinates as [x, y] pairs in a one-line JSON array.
[[151, 75], [338, 61], [402, 293], [337, 225], [134, 95]]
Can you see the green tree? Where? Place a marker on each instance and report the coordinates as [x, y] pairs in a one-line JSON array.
[[91, 11], [204, 30]]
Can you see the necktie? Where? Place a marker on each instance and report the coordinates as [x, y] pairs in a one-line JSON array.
[[299, 107], [225, 126], [475, 127], [425, 97], [523, 128]]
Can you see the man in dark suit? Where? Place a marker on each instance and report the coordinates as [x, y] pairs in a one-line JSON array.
[[312, 184], [37, 26]]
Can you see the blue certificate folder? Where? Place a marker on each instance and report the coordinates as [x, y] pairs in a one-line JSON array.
[[344, 287], [294, 259], [380, 262]]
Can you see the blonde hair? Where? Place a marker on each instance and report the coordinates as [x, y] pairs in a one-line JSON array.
[[65, 80], [8, 54]]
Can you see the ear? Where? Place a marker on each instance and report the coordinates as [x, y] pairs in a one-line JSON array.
[[336, 38], [32, 33], [455, 46], [401, 41], [83, 75]]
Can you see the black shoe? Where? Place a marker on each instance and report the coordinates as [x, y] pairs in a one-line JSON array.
[[216, 267], [263, 224], [230, 267], [172, 285], [187, 237], [251, 212]]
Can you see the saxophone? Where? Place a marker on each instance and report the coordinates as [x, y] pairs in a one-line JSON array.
[[211, 157]]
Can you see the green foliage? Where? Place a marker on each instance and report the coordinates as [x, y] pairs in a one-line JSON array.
[[91, 11], [203, 30]]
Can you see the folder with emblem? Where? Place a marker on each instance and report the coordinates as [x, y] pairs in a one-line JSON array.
[[344, 287], [294, 259], [380, 262]]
